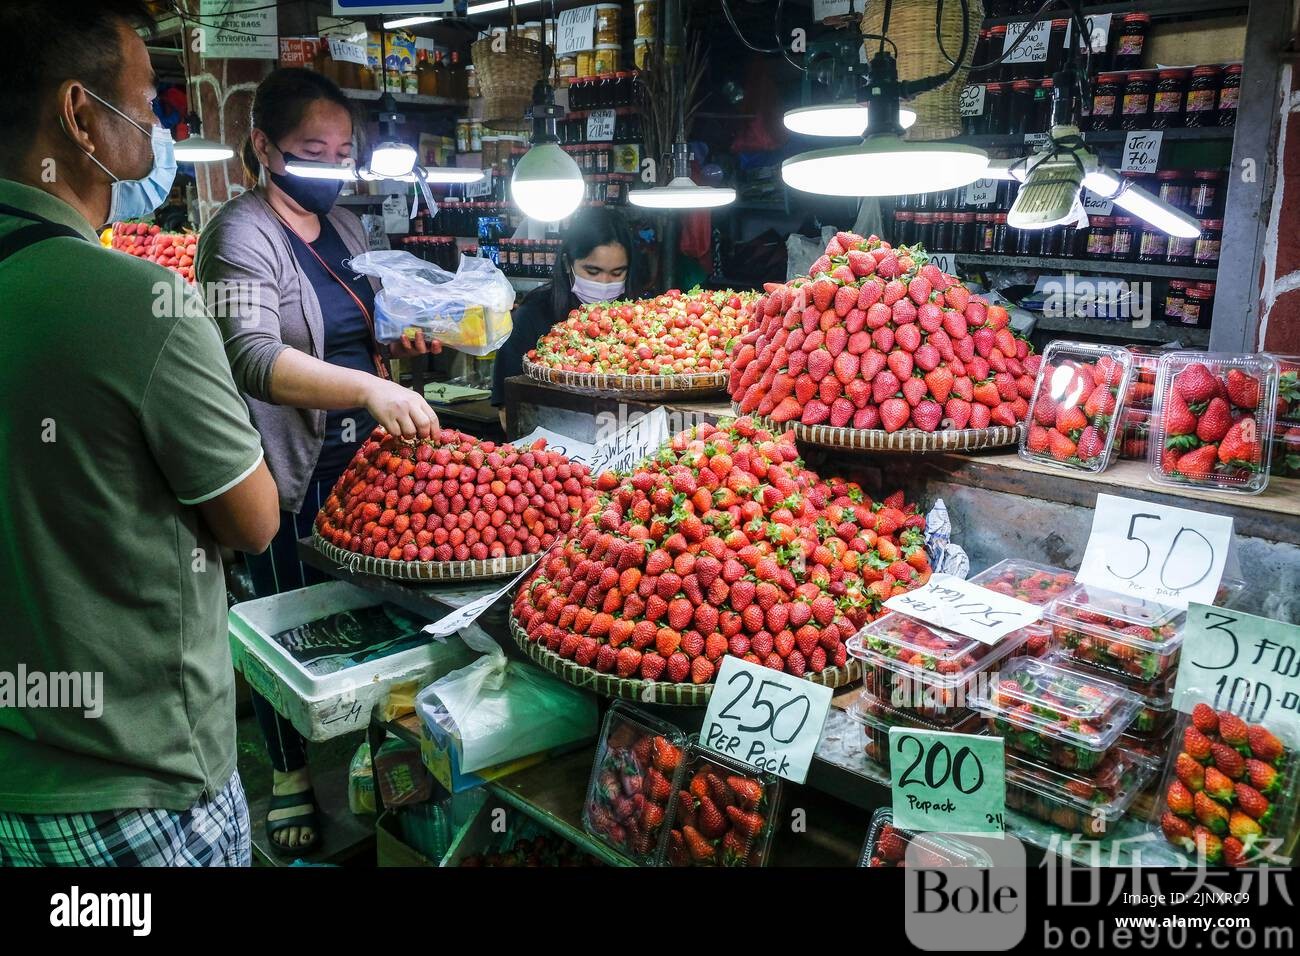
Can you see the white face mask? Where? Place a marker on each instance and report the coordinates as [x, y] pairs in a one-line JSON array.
[[589, 291]]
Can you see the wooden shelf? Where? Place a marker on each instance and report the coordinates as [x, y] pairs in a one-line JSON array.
[[1187, 336], [1052, 264], [1157, 8], [1102, 137], [409, 99]]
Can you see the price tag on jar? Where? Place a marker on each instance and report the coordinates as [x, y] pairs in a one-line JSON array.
[[765, 718], [947, 783], [1156, 552], [955, 604], [1241, 663], [1034, 47], [981, 192], [575, 30], [972, 100], [600, 126], [1141, 151]]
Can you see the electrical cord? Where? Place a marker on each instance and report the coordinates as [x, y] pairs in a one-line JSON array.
[[1032, 19], [776, 35], [735, 27]]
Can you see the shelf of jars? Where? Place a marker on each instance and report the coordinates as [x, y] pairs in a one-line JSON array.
[[1010, 11], [409, 99], [1095, 137], [1189, 336], [1153, 270]]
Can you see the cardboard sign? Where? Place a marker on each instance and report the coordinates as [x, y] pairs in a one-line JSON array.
[[1242, 663], [396, 214], [239, 29], [972, 100], [825, 9], [947, 783], [954, 604], [481, 187], [981, 192], [625, 449], [600, 126], [575, 30], [1156, 552], [765, 718], [467, 614], [1141, 151], [1098, 31], [1034, 47], [346, 52], [1037, 140], [1095, 205]]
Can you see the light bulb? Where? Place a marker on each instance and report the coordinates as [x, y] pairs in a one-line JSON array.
[[1104, 182], [196, 149], [837, 119], [547, 184], [391, 160], [884, 166], [682, 193], [313, 170], [451, 174]]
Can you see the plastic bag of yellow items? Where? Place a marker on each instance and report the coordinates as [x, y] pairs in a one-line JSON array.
[[468, 310]]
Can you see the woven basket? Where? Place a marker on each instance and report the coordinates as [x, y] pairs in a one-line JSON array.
[[648, 691], [506, 77], [911, 27], [424, 570], [660, 387], [911, 441]]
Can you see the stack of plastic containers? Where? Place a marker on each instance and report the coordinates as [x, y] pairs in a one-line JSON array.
[[887, 845], [1286, 432], [1086, 803], [1135, 421], [724, 815], [1075, 413], [1037, 584]]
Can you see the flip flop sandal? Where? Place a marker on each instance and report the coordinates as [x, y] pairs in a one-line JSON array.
[[292, 810]]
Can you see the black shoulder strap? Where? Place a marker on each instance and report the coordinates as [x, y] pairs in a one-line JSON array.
[[40, 230]]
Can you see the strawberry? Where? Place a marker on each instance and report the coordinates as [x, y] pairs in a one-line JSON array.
[[1196, 383], [980, 416], [883, 339], [1176, 831], [927, 357], [861, 263], [1037, 439], [1059, 446], [1198, 463], [702, 670], [940, 381], [701, 850], [895, 289], [1210, 813], [958, 412], [846, 367], [842, 411], [1205, 719], [1215, 421], [914, 390], [1243, 827], [1228, 760], [927, 415], [894, 413], [1253, 803], [1178, 418], [846, 298], [901, 364], [746, 822], [1196, 744], [907, 337], [748, 792], [819, 364], [1189, 771], [652, 666], [1209, 846], [1179, 798], [1263, 744], [679, 666], [788, 409], [1217, 785], [1234, 851], [1243, 389], [823, 293], [1263, 777], [814, 413], [1233, 730], [918, 290], [1240, 444], [869, 296]]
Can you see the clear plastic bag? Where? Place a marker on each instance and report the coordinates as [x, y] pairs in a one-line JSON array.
[[468, 310]]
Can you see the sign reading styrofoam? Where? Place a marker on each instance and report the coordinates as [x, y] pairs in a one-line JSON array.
[[973, 611], [239, 29]]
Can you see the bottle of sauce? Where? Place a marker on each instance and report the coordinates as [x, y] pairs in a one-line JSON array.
[[425, 80], [459, 86], [442, 76]]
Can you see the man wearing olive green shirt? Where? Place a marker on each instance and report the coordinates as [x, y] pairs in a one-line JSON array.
[[128, 458]]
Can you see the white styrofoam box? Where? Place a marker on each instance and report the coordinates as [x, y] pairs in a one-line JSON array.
[[325, 706]]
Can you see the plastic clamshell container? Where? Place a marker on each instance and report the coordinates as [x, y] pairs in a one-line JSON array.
[[925, 671], [639, 765], [885, 841], [1088, 804], [1132, 638], [1037, 584], [1188, 382], [1286, 450], [1288, 390], [1155, 751], [1056, 715], [1156, 716], [747, 802], [875, 718], [1146, 367], [1135, 434], [1077, 405]]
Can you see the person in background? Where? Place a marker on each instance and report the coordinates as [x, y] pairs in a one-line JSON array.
[[300, 339], [595, 264], [128, 460]]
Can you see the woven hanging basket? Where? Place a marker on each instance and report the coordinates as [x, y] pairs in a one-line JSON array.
[[911, 27], [507, 65]]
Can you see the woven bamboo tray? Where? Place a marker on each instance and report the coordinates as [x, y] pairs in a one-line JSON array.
[[910, 441], [649, 692], [630, 386], [424, 570]]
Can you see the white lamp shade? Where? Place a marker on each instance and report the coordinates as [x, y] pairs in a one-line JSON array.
[[196, 149], [884, 166], [837, 119], [682, 193], [547, 184], [392, 160]]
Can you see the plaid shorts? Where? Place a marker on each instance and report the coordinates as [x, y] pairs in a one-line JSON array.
[[210, 833]]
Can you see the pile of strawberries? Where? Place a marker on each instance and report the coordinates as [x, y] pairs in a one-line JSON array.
[[672, 334], [172, 250], [721, 543], [720, 819], [1073, 411], [452, 498], [877, 337], [1209, 424], [1229, 778]]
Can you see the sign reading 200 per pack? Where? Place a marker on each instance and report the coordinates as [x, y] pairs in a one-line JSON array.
[[1241, 663], [947, 783], [765, 718]]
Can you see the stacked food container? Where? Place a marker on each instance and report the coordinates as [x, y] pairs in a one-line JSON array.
[[1062, 730], [1135, 420], [1286, 432], [887, 845]]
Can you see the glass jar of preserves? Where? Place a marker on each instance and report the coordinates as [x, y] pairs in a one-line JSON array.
[[943, 201], [1042, 107], [1131, 42], [1173, 187], [525, 258], [921, 202], [1202, 97], [995, 109], [1003, 240], [904, 227], [1206, 250], [997, 40], [1205, 196], [1100, 237], [1028, 242], [963, 231], [984, 231], [1167, 107], [1153, 245], [1229, 91], [1124, 245], [1178, 251], [1139, 90], [1052, 245], [1198, 308], [1175, 296], [1020, 106], [943, 231], [923, 233], [1106, 93]]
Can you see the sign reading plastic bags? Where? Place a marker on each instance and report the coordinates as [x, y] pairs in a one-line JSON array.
[[468, 311]]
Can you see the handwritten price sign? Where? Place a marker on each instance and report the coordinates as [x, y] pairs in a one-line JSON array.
[[570, 448], [765, 718], [981, 192], [1142, 151], [1239, 662], [1034, 48], [1155, 552], [954, 604], [972, 100], [947, 783], [600, 126]]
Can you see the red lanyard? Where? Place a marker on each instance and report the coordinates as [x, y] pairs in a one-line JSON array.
[[380, 368]]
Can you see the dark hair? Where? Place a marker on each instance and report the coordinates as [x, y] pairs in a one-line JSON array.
[[79, 41], [589, 228], [281, 102]]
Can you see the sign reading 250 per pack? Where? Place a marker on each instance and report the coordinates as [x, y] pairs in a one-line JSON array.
[[765, 718]]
